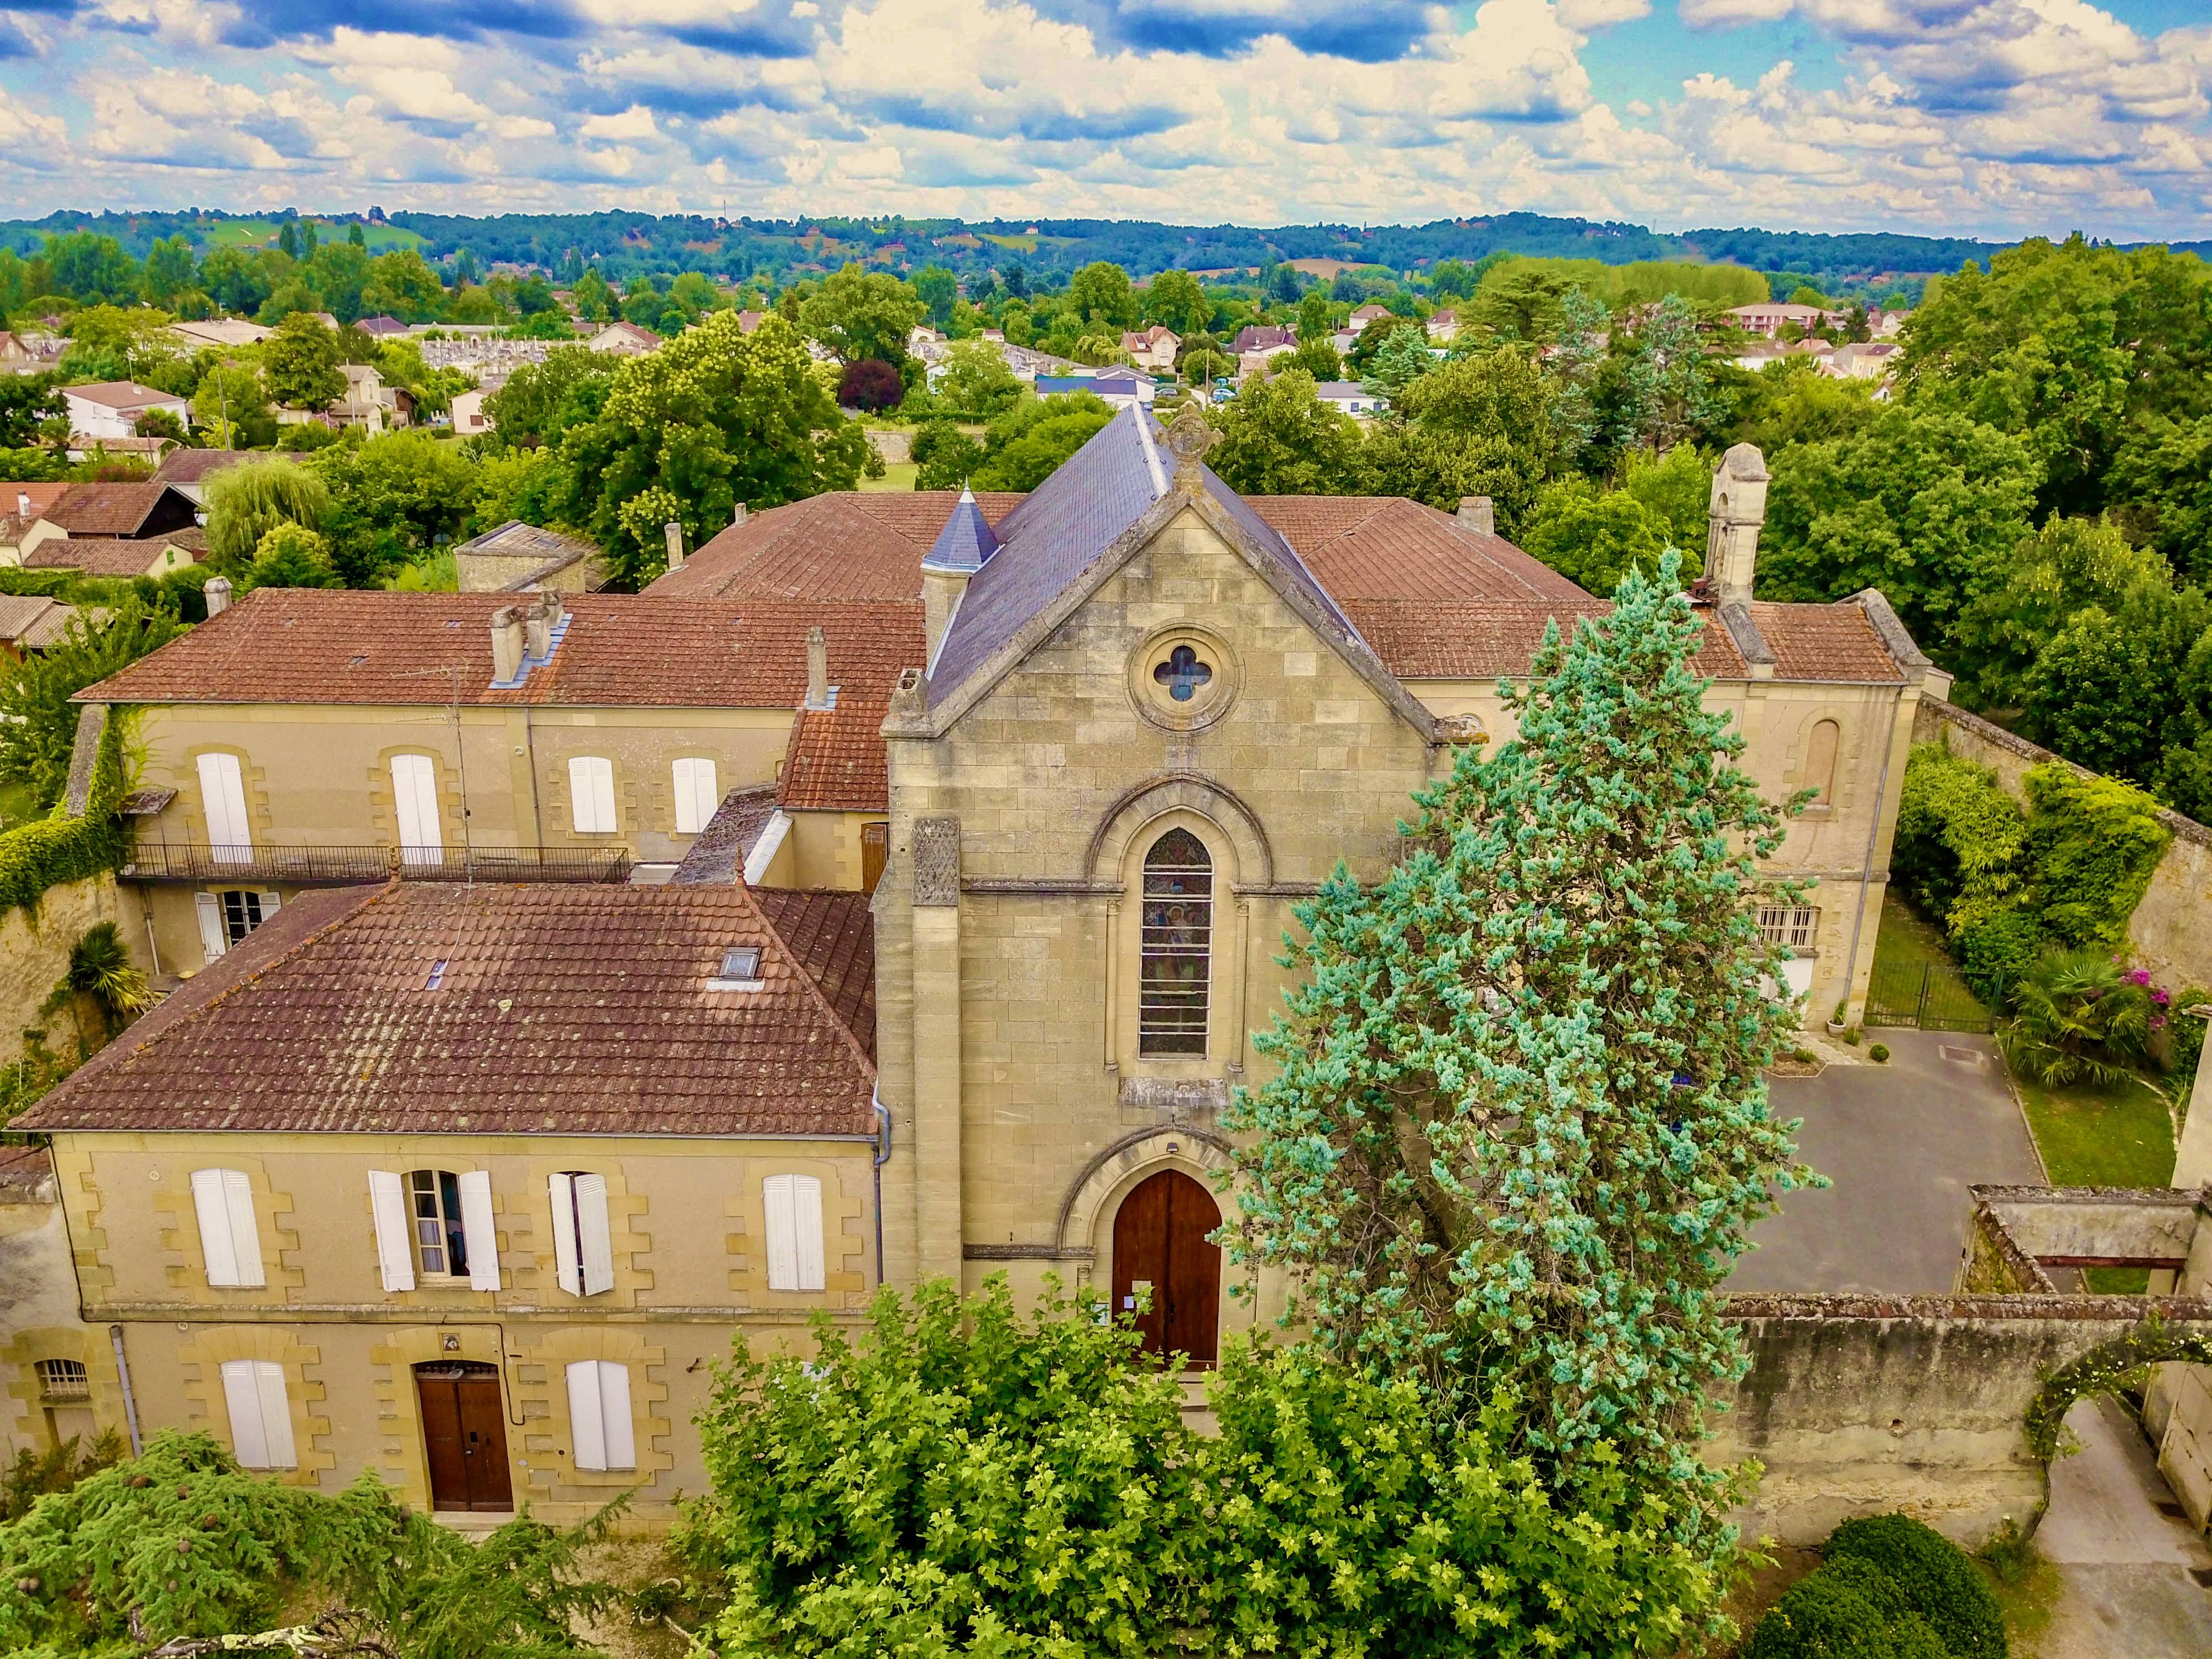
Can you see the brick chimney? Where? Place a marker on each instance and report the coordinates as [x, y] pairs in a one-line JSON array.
[[507, 640], [674, 532], [217, 590], [1477, 514], [1738, 510], [817, 669]]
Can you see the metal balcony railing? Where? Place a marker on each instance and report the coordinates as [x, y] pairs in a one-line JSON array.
[[309, 866]]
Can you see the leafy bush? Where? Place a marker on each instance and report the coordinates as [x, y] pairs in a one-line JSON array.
[[2094, 844], [38, 721], [1940, 1583], [2079, 1017], [1959, 839], [1878, 1053], [1996, 952], [1847, 1609]]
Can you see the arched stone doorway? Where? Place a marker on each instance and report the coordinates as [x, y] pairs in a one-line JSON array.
[[1160, 1243]]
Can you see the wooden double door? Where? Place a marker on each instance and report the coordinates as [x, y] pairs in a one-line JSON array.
[[464, 1431], [1160, 1244]]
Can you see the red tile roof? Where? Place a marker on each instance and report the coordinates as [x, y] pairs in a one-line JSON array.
[[848, 546], [1485, 639], [43, 495], [114, 509], [111, 556], [1373, 547], [303, 645], [1825, 643], [571, 1009], [833, 934], [836, 761]]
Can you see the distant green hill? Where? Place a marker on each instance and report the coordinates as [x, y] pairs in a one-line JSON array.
[[627, 243]]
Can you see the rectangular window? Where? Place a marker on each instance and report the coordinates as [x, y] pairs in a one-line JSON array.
[[226, 917], [230, 1242], [260, 1413], [697, 796], [598, 1415], [64, 1379], [415, 799], [436, 1196], [591, 794], [1793, 924], [583, 1241], [222, 798], [792, 1207]]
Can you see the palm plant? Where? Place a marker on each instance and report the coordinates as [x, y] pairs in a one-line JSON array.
[[101, 971], [2078, 1018]]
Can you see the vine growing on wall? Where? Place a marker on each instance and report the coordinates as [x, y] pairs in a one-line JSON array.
[[47, 852], [2108, 1368]]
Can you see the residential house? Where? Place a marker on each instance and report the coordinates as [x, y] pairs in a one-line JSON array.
[[222, 332], [30, 624], [609, 1126], [1370, 312], [1755, 354], [625, 340], [138, 510], [1443, 326], [524, 558], [1864, 360], [382, 328], [1350, 398], [304, 736], [1115, 385], [370, 403], [124, 557], [146, 450], [1154, 349], [1262, 358], [750, 320], [23, 523], [1771, 318], [16, 357], [187, 471], [110, 409], [467, 409], [1132, 721], [1263, 336]]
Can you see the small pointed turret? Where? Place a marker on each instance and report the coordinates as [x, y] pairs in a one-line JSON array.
[[963, 547]]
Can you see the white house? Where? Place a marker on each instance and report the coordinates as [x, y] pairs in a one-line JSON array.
[[1350, 398], [1115, 385], [469, 415], [110, 409]]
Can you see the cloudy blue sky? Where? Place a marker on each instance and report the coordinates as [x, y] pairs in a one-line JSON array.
[[1981, 117]]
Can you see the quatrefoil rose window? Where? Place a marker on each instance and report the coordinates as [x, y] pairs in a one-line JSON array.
[[1183, 673], [1184, 676]]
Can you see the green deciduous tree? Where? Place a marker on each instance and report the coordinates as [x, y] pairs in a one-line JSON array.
[[1173, 297], [1790, 402], [1101, 298], [168, 269], [857, 313], [247, 501], [40, 733], [231, 406], [2161, 485], [300, 363], [28, 403], [291, 555], [2102, 690], [1277, 437], [401, 284], [1666, 396], [714, 418], [91, 269], [976, 382], [1926, 506], [1026, 445], [1520, 1124], [391, 499], [2065, 567], [1593, 536], [937, 288], [945, 456]]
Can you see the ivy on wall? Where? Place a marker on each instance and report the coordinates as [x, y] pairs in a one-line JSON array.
[[2109, 1368], [47, 852], [2093, 843]]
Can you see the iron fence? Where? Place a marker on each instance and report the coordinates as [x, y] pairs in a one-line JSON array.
[[310, 866], [1932, 995]]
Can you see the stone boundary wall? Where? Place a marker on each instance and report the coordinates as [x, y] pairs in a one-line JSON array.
[[34, 951], [2172, 928], [1859, 1405]]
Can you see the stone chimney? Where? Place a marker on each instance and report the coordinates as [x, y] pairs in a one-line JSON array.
[[817, 669], [538, 632], [674, 532], [217, 590], [507, 642], [23, 503], [1738, 509], [737, 517], [1477, 514]]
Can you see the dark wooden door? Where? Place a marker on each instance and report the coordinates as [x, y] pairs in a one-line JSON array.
[[1160, 1242], [875, 853], [464, 1431]]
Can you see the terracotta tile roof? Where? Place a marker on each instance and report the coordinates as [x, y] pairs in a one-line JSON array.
[[112, 510], [1372, 547], [569, 1009], [719, 852], [190, 466], [836, 761], [1483, 638], [111, 556], [1825, 643], [842, 546], [43, 495], [833, 934], [32, 622], [304, 645]]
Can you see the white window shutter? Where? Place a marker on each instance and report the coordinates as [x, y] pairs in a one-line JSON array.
[[618, 1440], [244, 1235], [778, 1203], [806, 1208], [587, 1426], [215, 938], [395, 1252], [415, 799], [241, 1392], [594, 1234], [271, 903], [476, 1227], [217, 1248], [697, 796], [222, 798], [275, 1415], [591, 794], [561, 1190]]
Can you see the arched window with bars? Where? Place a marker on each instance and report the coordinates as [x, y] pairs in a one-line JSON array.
[[1176, 963]]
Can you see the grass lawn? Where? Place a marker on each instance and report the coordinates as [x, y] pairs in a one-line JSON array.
[[2092, 1137], [898, 475], [1906, 936], [1907, 947]]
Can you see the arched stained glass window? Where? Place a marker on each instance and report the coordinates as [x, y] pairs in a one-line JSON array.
[[1177, 946]]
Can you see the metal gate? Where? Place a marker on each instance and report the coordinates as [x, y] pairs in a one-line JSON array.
[[1932, 995]]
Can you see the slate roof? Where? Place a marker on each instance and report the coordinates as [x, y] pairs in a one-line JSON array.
[[313, 645], [967, 540], [112, 509], [833, 934], [719, 852], [562, 1009]]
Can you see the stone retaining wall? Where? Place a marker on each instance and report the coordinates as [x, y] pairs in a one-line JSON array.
[[35, 950]]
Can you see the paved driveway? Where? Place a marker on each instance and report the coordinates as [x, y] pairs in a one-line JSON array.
[[1902, 1143]]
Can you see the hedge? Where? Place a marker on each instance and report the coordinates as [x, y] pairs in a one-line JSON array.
[[2094, 844], [47, 852], [1889, 1587], [1939, 1584]]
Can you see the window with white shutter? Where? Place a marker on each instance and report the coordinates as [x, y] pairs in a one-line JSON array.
[[476, 1227], [792, 1206], [230, 1243], [598, 1415], [223, 799], [226, 917], [215, 938], [583, 1241], [697, 796], [387, 1203], [414, 798], [591, 794], [260, 1413]]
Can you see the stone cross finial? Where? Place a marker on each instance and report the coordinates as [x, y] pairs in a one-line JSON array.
[[1188, 438]]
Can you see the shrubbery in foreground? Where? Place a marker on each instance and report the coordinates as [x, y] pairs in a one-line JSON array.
[[1890, 1588]]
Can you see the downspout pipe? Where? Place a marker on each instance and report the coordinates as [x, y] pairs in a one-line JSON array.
[[1873, 841], [883, 1156], [130, 1401]]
